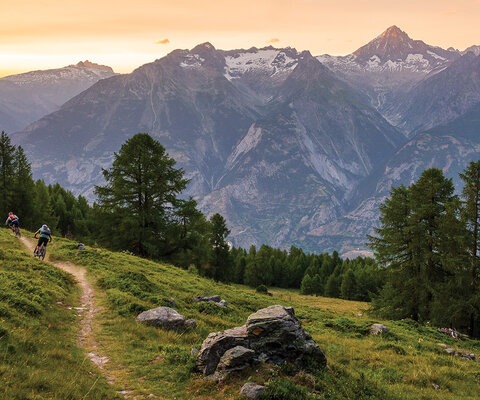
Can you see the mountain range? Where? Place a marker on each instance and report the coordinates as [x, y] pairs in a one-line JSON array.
[[26, 97], [291, 148]]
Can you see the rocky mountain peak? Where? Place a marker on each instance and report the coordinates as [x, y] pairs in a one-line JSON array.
[[394, 33], [93, 66], [393, 44]]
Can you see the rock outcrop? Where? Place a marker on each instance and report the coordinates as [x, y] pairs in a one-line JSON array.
[[272, 335]]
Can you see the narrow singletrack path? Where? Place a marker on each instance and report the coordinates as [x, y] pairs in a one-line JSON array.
[[87, 310]]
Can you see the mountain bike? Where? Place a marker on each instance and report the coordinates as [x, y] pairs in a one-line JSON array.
[[40, 252], [16, 231]]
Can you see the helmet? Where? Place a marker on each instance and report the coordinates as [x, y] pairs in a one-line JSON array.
[[10, 214], [44, 226]]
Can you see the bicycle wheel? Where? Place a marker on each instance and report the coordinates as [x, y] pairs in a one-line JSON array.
[[43, 252]]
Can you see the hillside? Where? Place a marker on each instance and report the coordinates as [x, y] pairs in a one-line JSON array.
[[39, 327]]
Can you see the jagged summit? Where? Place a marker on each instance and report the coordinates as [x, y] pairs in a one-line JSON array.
[[395, 50], [393, 44], [394, 32], [91, 65]]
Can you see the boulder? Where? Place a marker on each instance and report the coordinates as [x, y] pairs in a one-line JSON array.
[[252, 390], [216, 344], [378, 329], [272, 335], [277, 336], [235, 359], [166, 318]]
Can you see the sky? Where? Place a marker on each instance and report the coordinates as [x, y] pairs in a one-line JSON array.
[[125, 34]]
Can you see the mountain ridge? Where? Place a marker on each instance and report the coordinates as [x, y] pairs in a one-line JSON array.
[[290, 149]]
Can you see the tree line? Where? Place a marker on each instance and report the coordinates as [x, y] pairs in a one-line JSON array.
[[140, 210], [426, 248]]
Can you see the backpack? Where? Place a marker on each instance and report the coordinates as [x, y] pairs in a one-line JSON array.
[[45, 231]]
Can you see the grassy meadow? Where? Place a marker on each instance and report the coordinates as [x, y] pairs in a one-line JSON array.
[[40, 358]]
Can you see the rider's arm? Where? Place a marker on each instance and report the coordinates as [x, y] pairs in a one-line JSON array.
[[51, 238], [35, 234]]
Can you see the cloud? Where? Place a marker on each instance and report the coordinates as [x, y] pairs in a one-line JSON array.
[[162, 41], [273, 40]]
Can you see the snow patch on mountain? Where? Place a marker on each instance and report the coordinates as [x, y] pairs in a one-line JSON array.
[[268, 60], [192, 61]]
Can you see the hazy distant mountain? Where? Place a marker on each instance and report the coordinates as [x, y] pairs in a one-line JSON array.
[[289, 149], [441, 97], [449, 147], [26, 97]]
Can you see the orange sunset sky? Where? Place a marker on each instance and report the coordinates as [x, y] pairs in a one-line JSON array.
[[125, 34]]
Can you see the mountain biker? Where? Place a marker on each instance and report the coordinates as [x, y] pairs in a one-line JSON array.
[[45, 236], [12, 220]]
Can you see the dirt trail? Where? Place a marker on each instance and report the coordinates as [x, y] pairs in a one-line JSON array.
[[87, 310]]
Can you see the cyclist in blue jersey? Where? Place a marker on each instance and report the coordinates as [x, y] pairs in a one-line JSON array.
[[45, 236]]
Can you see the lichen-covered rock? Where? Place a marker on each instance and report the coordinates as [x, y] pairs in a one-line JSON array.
[[273, 334], [277, 336], [235, 359], [166, 318], [216, 344]]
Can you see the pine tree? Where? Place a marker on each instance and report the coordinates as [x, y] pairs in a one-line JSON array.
[[7, 187], [24, 194], [471, 218], [139, 201], [419, 240], [348, 287], [220, 259]]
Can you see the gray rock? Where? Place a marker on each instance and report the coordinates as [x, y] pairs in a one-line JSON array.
[[235, 359], [252, 390], [277, 336], [273, 334], [217, 300], [378, 329], [166, 318], [216, 344]]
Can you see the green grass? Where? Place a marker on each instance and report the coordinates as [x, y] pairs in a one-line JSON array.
[[405, 363], [39, 356]]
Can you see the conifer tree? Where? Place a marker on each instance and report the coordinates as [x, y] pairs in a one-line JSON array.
[[7, 151], [139, 201], [24, 192], [471, 218], [419, 241], [220, 258]]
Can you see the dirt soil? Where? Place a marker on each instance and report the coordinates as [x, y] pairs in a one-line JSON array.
[[87, 309]]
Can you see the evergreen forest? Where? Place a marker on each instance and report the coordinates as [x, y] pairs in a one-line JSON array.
[[426, 266]]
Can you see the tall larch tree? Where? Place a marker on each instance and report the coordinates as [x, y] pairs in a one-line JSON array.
[[139, 199], [7, 152]]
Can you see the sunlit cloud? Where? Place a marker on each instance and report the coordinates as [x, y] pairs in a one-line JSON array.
[[273, 40], [162, 41]]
